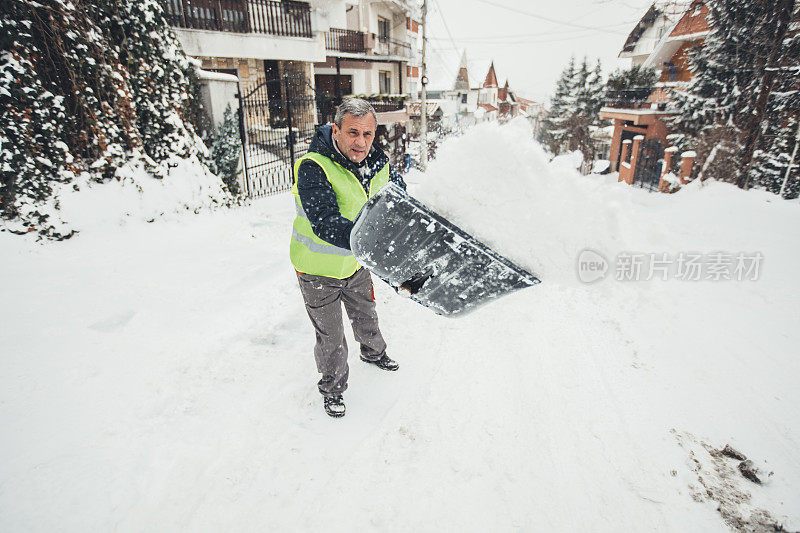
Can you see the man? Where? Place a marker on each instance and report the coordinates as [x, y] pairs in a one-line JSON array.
[[331, 183]]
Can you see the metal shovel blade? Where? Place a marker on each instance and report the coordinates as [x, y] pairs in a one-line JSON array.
[[442, 267]]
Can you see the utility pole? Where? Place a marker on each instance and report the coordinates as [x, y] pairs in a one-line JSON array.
[[423, 111], [791, 161]]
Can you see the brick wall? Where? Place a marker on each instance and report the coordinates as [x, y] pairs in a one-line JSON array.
[[248, 70], [693, 21]]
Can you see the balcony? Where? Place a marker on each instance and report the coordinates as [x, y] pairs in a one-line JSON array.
[[642, 99], [356, 42], [349, 41], [282, 18], [392, 47], [385, 104]]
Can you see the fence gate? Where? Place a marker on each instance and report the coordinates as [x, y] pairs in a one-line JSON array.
[[277, 123], [648, 165]]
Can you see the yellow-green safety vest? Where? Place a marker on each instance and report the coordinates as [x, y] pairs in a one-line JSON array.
[[309, 253]]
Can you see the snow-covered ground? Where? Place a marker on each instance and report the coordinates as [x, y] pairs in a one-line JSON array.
[[159, 376]]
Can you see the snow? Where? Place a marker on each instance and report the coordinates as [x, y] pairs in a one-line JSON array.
[[216, 76], [135, 195], [160, 376]]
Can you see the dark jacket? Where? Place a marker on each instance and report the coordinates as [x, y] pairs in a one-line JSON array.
[[316, 192]]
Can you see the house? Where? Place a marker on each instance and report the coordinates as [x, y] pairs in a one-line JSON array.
[[268, 48], [661, 39], [534, 111], [294, 60], [370, 50], [252, 39]]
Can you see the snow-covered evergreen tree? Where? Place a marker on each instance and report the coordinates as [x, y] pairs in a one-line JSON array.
[[156, 67], [745, 90], [574, 109], [225, 151], [86, 86], [562, 106]]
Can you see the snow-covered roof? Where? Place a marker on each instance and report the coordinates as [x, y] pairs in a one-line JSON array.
[[491, 77], [664, 13], [430, 105]]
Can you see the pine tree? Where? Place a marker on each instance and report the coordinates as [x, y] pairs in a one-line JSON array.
[[743, 97], [562, 106], [225, 151], [595, 93], [574, 109]]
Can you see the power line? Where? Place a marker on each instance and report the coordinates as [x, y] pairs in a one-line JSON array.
[[444, 20], [547, 19], [538, 34]]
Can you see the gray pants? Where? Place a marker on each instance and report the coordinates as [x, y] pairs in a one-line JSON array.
[[322, 296]]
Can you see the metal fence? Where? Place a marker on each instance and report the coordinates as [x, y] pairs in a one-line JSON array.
[[277, 122], [286, 18], [647, 173]]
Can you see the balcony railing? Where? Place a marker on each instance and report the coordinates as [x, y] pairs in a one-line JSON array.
[[392, 47], [356, 42], [635, 98], [284, 18], [350, 41], [382, 104]]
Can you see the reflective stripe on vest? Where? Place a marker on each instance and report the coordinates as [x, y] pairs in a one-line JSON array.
[[309, 253]]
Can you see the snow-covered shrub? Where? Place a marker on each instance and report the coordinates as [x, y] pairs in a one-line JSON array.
[[225, 151], [86, 87]]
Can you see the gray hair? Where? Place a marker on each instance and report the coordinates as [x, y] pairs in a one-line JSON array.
[[356, 107]]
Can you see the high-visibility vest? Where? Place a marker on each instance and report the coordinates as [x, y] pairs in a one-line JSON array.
[[309, 253]]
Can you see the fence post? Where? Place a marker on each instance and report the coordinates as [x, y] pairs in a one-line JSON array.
[[243, 138], [624, 165], [290, 138], [687, 160], [668, 153]]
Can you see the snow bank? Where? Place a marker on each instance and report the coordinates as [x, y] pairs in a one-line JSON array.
[[136, 195], [161, 376], [498, 184]]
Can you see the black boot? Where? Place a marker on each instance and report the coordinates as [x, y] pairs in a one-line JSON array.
[[384, 363], [334, 406]]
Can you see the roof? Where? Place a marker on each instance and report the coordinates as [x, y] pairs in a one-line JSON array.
[[487, 107], [491, 77], [647, 20], [503, 94], [671, 10], [462, 78], [430, 105], [692, 26]]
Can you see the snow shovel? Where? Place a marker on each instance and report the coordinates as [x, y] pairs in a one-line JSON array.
[[440, 265]]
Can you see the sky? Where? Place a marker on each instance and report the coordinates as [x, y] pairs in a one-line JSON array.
[[530, 41]]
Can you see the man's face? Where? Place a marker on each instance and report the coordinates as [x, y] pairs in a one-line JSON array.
[[355, 137]]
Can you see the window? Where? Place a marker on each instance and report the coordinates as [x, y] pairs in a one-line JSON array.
[[383, 30], [384, 82]]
